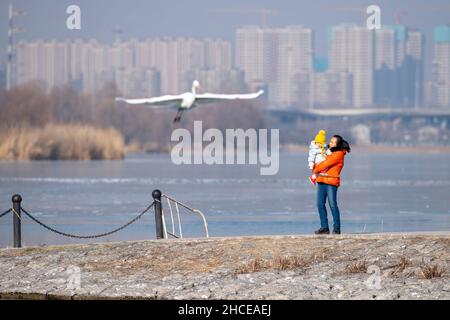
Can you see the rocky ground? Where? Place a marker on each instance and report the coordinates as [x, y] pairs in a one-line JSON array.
[[383, 266]]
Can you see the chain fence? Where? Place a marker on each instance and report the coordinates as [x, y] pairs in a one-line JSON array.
[[157, 199], [83, 236], [5, 213]]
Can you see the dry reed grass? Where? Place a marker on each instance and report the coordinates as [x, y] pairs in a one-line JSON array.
[[280, 263], [359, 266], [431, 271], [61, 142]]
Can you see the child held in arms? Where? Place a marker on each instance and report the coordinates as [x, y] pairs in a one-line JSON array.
[[317, 153]]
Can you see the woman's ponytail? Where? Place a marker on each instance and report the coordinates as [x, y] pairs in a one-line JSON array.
[[346, 146]]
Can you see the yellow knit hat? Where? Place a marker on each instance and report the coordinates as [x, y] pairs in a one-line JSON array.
[[321, 137]]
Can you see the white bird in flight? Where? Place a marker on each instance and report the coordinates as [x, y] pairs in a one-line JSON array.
[[188, 100]]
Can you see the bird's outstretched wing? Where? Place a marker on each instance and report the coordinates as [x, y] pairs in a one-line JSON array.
[[214, 97], [167, 101]]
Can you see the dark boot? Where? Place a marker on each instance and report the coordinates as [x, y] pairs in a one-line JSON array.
[[322, 231], [336, 231]]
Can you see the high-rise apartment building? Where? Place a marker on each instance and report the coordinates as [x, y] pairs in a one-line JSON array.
[[352, 51], [332, 89], [441, 67], [275, 57], [137, 82]]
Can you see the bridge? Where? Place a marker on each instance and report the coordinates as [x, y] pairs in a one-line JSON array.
[[378, 125], [290, 114]]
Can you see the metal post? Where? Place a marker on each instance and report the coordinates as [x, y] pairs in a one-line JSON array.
[[156, 194], [17, 199]]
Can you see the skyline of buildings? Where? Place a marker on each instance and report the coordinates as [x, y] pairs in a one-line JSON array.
[[89, 65], [366, 68]]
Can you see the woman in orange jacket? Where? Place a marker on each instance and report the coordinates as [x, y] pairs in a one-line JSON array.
[[328, 181]]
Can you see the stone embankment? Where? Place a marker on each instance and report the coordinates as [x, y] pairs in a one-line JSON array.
[[384, 266]]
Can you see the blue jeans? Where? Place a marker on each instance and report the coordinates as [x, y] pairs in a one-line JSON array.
[[325, 191]]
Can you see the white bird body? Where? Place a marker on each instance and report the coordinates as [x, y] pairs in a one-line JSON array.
[[189, 100]]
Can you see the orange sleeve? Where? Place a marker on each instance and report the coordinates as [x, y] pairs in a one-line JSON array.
[[331, 160]]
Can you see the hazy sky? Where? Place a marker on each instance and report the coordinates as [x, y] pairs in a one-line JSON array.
[[46, 19]]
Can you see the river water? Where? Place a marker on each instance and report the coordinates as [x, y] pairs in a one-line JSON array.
[[380, 192]]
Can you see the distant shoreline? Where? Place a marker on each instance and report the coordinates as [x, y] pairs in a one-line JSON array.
[[290, 148], [304, 148], [378, 148]]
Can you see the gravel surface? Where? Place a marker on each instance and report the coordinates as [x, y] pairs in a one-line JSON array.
[[384, 266]]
